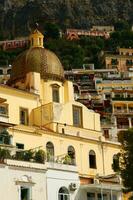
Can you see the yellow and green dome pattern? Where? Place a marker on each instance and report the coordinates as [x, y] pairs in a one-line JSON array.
[[39, 60]]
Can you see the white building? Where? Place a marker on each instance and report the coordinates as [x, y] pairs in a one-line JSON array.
[[32, 181]]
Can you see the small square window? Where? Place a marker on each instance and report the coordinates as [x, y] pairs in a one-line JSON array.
[[77, 116], [24, 116]]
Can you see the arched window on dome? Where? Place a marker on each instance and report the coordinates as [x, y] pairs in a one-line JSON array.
[[55, 93], [40, 41], [50, 151], [92, 159], [32, 41], [63, 194], [71, 153]]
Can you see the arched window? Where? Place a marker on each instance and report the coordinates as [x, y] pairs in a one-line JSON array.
[[92, 159], [71, 153], [50, 151], [63, 194], [9, 71], [115, 164], [40, 41]]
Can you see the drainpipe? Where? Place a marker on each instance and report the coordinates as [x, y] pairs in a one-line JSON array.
[[111, 193], [101, 192], [103, 160]]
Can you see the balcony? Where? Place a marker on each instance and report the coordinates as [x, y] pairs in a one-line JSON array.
[[130, 111], [122, 99], [4, 118], [119, 126], [39, 166], [120, 111], [106, 124], [19, 163], [78, 132]]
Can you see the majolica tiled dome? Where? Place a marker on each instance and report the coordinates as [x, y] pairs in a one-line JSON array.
[[37, 59]]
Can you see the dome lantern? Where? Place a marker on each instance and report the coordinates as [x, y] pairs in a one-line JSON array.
[[36, 39]]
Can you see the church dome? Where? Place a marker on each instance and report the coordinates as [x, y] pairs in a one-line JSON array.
[[37, 59]]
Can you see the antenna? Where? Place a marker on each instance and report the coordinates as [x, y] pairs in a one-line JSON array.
[[36, 25]]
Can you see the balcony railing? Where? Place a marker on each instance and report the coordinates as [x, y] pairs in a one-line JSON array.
[[120, 111], [122, 99], [78, 132], [122, 126], [123, 111]]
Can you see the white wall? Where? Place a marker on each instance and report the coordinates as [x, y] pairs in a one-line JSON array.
[[10, 190], [61, 178]]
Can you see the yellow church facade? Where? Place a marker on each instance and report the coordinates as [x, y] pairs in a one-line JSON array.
[[38, 106]]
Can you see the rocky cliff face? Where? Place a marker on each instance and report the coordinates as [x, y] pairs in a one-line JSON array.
[[18, 16]]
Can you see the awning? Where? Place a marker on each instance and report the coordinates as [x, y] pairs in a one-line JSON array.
[[102, 186]]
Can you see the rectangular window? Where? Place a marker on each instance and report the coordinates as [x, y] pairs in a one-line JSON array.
[[24, 193], [102, 196], [77, 116], [24, 116], [4, 109], [55, 91], [20, 146], [106, 133], [90, 196], [114, 61]]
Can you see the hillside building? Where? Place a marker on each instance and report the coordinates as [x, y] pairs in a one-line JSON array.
[[106, 92], [75, 34], [123, 60]]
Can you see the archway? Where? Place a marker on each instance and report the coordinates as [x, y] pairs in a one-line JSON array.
[[50, 151]]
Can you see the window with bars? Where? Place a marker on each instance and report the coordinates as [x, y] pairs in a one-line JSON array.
[[77, 116], [55, 93], [63, 194]]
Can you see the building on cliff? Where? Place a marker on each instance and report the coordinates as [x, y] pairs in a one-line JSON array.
[[38, 111]]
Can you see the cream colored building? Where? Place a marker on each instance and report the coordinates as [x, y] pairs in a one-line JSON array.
[[38, 106], [120, 92], [123, 61]]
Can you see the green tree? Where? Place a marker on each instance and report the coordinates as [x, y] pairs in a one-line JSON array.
[[51, 31], [126, 159], [121, 25]]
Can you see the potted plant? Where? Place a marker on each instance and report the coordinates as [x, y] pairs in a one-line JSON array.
[[28, 155], [40, 156], [4, 154], [67, 160]]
